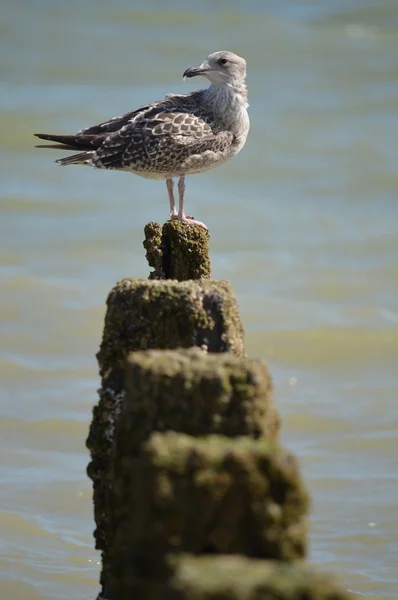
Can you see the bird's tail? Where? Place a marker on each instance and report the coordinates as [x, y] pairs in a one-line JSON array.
[[76, 159], [87, 143]]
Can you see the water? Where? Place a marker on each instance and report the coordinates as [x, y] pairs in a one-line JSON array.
[[304, 223]]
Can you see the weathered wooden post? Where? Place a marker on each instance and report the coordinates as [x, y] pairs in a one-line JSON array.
[[188, 474], [156, 313], [200, 495]]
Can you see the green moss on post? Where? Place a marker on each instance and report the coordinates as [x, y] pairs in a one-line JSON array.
[[237, 578], [186, 251], [144, 314], [212, 495], [154, 250], [193, 392], [177, 251], [228, 577]]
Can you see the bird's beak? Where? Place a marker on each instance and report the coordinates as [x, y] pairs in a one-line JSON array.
[[199, 70]]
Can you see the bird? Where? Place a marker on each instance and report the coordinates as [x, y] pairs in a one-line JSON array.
[[181, 135]]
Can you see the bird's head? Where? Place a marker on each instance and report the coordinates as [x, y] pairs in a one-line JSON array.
[[221, 68]]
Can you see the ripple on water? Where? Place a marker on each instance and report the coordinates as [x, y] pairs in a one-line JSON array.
[[303, 223]]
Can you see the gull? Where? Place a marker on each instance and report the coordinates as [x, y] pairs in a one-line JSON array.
[[181, 135]]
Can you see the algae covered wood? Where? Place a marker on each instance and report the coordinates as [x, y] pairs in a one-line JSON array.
[[177, 251], [239, 578], [228, 577], [191, 487], [197, 393], [143, 314], [214, 495]]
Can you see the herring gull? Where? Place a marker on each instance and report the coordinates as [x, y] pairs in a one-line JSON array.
[[180, 135]]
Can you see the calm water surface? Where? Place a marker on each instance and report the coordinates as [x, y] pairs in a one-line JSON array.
[[304, 223]]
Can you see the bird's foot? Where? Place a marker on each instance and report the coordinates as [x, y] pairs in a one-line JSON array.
[[189, 220], [192, 221]]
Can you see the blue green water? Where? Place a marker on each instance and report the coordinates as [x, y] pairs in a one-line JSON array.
[[304, 223]]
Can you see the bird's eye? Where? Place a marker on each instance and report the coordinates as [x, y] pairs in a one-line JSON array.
[[222, 61]]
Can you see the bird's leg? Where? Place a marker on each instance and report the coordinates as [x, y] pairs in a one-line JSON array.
[[181, 197], [170, 189]]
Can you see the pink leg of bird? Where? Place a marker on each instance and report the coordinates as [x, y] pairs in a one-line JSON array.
[[181, 214], [170, 189]]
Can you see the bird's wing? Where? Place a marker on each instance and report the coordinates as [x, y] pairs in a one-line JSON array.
[[92, 137], [161, 138], [113, 124]]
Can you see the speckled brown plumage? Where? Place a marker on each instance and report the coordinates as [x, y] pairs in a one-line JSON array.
[[177, 136]]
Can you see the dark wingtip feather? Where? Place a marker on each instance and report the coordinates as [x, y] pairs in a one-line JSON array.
[[75, 159], [75, 142], [43, 136], [56, 146]]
